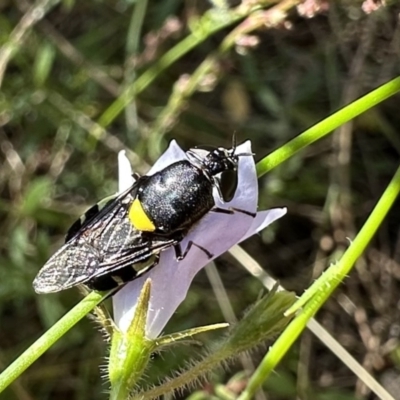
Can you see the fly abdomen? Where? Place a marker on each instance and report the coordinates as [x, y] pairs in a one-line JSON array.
[[176, 197], [122, 275]]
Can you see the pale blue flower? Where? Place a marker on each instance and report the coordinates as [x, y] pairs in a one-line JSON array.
[[216, 232]]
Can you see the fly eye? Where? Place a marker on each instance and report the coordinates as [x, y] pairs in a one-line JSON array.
[[228, 182]]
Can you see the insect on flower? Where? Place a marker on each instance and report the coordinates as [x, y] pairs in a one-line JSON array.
[[216, 232], [121, 238]]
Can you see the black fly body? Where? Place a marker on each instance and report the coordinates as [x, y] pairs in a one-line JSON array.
[[122, 237]]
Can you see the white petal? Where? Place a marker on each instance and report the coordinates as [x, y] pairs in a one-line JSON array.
[[125, 178], [263, 219], [172, 154]]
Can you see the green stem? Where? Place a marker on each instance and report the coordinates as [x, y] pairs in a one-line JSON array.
[[327, 125], [132, 49], [326, 284], [30, 355]]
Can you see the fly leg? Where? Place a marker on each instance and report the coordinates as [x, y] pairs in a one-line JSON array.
[[232, 210], [180, 256]]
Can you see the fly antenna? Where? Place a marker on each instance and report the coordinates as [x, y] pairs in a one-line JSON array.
[[234, 145], [233, 141]]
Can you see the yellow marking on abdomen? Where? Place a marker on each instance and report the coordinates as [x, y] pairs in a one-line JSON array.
[[139, 219]]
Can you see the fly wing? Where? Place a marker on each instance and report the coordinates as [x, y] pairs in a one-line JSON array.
[[107, 250], [92, 252], [120, 244], [139, 254], [103, 242], [100, 213], [68, 267], [87, 243]]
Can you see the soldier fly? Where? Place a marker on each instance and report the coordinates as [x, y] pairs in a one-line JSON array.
[[122, 237]]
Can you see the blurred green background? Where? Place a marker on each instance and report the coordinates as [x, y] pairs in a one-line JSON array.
[[66, 69]]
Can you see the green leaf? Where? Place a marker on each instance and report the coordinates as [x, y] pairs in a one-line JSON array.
[[43, 63]]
